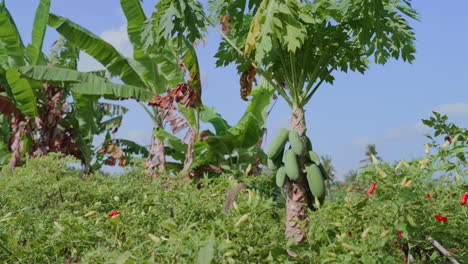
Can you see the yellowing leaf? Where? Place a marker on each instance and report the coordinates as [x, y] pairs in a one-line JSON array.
[[366, 232], [58, 227], [380, 172], [423, 163], [90, 213], [446, 145], [385, 233], [408, 183], [154, 238], [242, 219], [347, 246]]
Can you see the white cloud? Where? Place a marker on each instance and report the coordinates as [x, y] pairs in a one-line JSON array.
[[141, 137], [406, 132], [457, 110], [117, 38], [361, 142]]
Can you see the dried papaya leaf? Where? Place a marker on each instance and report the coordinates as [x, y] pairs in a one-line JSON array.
[[246, 80], [226, 24]]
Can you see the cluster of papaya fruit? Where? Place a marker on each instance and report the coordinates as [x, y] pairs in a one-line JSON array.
[[286, 164]]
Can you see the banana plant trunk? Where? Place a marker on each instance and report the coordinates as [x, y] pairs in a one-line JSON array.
[[297, 192], [156, 157]]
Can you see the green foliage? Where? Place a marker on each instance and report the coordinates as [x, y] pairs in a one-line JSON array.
[[102, 51], [47, 214], [179, 18], [23, 91], [300, 44], [238, 141], [179, 222]]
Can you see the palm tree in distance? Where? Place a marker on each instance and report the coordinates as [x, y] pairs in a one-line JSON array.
[[371, 150], [326, 162], [327, 165]]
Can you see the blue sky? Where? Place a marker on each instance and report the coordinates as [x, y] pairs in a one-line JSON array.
[[383, 107]]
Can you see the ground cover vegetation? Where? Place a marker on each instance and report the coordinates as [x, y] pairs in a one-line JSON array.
[[222, 197]]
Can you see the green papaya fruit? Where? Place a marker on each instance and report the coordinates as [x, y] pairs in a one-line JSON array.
[[315, 180], [277, 144], [296, 143], [291, 165], [314, 157], [275, 163], [281, 177]]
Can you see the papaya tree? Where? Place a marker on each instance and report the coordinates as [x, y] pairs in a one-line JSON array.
[[37, 117], [297, 46]]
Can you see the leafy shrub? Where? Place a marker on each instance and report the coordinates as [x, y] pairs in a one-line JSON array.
[[43, 209]]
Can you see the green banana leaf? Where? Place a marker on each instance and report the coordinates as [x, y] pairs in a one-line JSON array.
[[113, 90], [23, 92], [34, 50], [85, 83], [248, 130], [5, 154], [85, 109], [10, 37], [209, 115], [170, 140], [135, 20], [97, 48]]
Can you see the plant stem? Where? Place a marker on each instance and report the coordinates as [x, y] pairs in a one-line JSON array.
[[442, 250]]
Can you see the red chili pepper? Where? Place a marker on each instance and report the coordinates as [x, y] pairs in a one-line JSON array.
[[349, 233], [371, 189], [113, 213], [464, 198], [441, 218], [400, 234], [428, 195], [396, 242], [152, 253]]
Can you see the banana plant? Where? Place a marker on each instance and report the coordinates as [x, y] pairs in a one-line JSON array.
[[297, 46], [163, 58], [36, 116], [227, 147]]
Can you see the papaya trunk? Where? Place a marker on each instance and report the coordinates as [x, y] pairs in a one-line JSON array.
[[297, 199]]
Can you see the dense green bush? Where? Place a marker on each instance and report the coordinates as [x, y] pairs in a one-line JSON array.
[[43, 207]]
